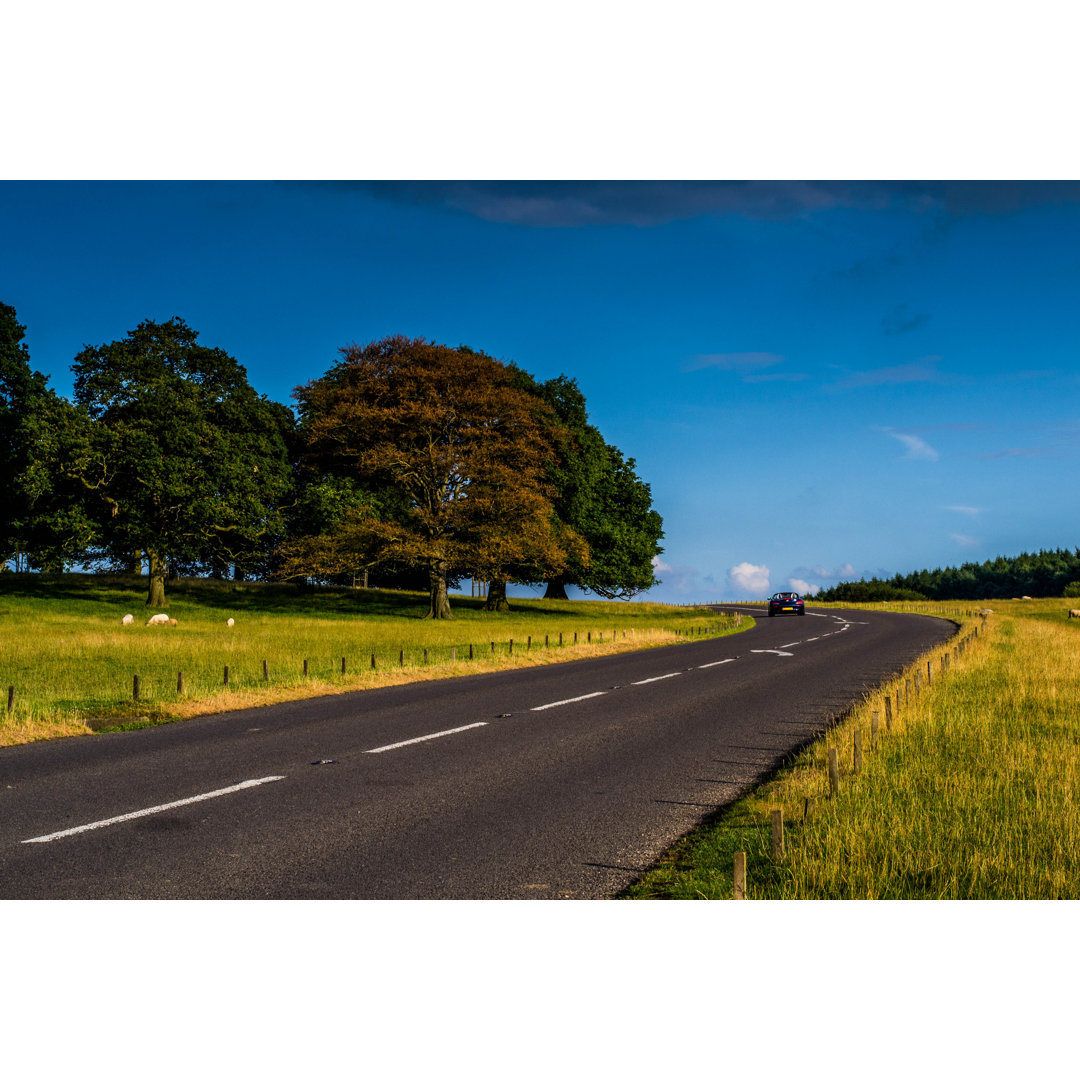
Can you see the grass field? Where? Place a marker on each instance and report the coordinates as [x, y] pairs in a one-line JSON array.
[[71, 664], [973, 794]]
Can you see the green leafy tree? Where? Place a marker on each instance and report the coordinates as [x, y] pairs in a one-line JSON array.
[[44, 525], [599, 497], [185, 461], [460, 445]]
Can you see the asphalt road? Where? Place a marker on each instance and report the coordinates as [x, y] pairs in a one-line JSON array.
[[564, 781]]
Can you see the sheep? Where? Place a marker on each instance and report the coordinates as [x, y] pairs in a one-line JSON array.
[[127, 620], [1074, 613], [160, 620], [230, 622]]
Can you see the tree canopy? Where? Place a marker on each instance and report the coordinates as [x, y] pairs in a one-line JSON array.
[[183, 459], [446, 428], [599, 497]]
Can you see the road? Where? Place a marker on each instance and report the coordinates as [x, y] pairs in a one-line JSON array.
[[565, 781]]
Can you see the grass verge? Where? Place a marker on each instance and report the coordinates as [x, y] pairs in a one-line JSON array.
[[973, 794], [72, 664]]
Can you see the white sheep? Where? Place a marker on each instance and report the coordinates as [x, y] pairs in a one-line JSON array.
[[230, 622], [127, 620], [160, 620]]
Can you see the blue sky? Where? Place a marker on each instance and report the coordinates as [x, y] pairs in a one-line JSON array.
[[818, 381]]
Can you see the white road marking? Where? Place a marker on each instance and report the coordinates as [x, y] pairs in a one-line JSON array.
[[809, 639], [424, 738], [153, 810], [717, 663], [776, 652], [642, 682], [567, 701]]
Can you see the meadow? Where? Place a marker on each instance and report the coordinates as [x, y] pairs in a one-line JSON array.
[[68, 665], [968, 789]]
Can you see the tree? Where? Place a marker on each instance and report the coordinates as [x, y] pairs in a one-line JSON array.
[[185, 462], [600, 498], [44, 524], [446, 430]]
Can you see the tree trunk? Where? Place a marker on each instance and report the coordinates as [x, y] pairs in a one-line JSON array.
[[496, 598], [440, 602], [156, 597], [556, 589]]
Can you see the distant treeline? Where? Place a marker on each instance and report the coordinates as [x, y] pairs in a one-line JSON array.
[[1048, 573]]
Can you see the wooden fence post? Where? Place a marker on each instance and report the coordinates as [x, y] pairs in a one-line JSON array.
[[875, 721], [401, 658], [135, 688], [777, 835], [343, 665], [809, 806], [740, 875], [266, 672], [856, 751], [453, 654], [372, 661], [226, 680], [888, 710], [10, 698], [834, 772], [179, 682]]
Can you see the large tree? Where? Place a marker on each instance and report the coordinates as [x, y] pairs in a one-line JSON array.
[[465, 449], [187, 462], [599, 496], [44, 524]]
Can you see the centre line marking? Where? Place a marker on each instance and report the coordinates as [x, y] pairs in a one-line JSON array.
[[153, 810], [567, 701], [717, 663], [642, 682], [424, 738]]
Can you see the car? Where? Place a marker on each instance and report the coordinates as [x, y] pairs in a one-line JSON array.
[[786, 603]]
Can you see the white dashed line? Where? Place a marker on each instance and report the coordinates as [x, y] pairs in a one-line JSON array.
[[657, 678], [775, 652], [716, 663], [567, 701], [424, 738], [153, 810]]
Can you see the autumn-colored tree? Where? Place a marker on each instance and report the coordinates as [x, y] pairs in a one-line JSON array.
[[445, 429]]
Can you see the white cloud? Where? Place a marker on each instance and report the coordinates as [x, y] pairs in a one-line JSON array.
[[917, 449], [748, 580], [970, 511], [804, 588], [659, 565], [745, 363]]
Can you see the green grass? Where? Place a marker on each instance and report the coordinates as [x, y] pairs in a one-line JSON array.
[[72, 663], [975, 794]]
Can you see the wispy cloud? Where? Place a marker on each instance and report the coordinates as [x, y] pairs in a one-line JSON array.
[[683, 580], [923, 370], [577, 203], [970, 511], [741, 363], [902, 320], [917, 449], [1021, 452]]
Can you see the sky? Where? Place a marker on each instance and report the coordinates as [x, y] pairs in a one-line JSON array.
[[819, 381]]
